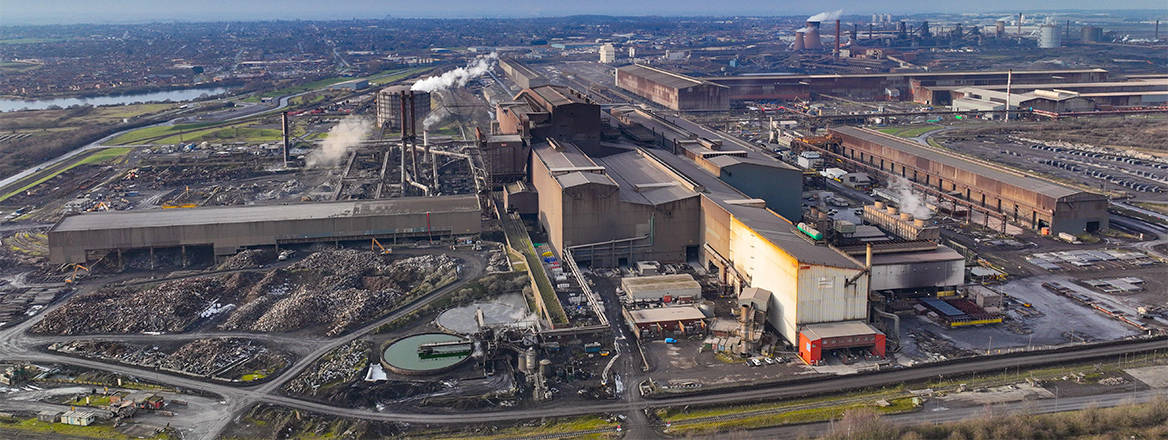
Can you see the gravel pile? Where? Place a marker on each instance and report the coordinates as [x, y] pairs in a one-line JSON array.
[[249, 259]]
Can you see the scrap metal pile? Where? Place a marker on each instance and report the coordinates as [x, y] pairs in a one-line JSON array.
[[341, 365], [334, 290], [201, 357]]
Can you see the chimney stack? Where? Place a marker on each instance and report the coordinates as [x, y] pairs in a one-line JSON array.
[[837, 39], [284, 123]]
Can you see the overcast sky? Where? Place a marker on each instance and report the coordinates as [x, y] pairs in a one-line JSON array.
[[13, 12]]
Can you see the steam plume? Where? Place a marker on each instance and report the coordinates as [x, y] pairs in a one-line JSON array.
[[344, 136], [457, 77], [910, 202], [826, 16]]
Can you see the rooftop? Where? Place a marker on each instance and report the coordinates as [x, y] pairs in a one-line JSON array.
[[838, 329], [942, 253], [1014, 178], [550, 96], [902, 74], [666, 314], [641, 182], [665, 78], [250, 214]]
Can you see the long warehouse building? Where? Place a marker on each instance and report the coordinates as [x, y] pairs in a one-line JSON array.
[[226, 230], [1023, 199], [672, 90]]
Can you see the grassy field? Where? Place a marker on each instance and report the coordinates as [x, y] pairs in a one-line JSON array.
[[588, 423], [808, 415], [910, 131], [145, 133], [98, 431], [97, 156], [12, 66]]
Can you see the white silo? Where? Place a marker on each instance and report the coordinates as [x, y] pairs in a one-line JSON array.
[[1048, 37]]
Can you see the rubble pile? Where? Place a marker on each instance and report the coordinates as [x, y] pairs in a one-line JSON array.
[[200, 357], [169, 307], [336, 290], [341, 365], [249, 259]]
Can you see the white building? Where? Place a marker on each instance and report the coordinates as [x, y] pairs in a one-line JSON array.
[[607, 53]]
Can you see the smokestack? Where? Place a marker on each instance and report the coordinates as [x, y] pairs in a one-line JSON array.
[[811, 38], [1019, 24], [855, 32], [413, 138], [799, 45], [869, 31], [837, 39], [284, 123], [1009, 84], [868, 257], [1157, 30]]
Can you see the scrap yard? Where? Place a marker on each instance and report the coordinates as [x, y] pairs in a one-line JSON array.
[[623, 228]]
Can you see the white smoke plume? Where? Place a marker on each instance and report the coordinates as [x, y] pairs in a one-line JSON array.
[[457, 77], [435, 117], [343, 137], [826, 16], [910, 202]]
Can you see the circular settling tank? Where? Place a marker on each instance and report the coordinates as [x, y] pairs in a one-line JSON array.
[[418, 354]]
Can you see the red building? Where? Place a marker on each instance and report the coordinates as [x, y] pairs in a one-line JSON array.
[[817, 339]]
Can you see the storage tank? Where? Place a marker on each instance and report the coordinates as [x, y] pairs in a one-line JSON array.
[[1048, 37], [530, 360], [545, 367], [1092, 34]]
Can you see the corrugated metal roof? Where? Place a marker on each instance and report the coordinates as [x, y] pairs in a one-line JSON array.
[[247, 214], [641, 182], [666, 314], [943, 307], [837, 330], [664, 78], [1019, 180]]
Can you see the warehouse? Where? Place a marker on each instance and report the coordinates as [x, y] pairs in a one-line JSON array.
[[939, 269], [523, 76], [658, 322], [226, 230], [816, 340], [1138, 87], [613, 210], [1029, 201], [674, 91], [1054, 101], [662, 288]]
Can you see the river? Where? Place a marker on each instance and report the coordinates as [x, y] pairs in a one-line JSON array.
[[7, 105]]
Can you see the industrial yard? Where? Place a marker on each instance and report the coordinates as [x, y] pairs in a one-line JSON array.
[[754, 227]]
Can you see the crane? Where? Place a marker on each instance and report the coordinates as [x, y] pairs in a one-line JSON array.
[[376, 245]]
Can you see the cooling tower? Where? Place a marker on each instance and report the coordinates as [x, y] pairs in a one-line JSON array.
[[811, 38], [799, 40]]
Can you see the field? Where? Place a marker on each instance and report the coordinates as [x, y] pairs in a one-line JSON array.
[[910, 131]]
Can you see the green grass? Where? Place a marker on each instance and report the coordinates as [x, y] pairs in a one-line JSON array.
[[94, 400], [250, 377], [587, 423], [100, 431], [910, 131], [809, 415], [145, 133], [97, 156], [12, 66]]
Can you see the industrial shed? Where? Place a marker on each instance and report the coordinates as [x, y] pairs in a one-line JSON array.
[[939, 268], [1022, 198], [647, 323], [226, 230], [523, 76], [672, 90], [815, 340], [665, 288]]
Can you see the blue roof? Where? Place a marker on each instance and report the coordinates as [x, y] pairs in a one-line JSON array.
[[943, 307]]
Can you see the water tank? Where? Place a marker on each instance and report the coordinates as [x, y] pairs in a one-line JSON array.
[[1048, 36], [545, 367], [1092, 34]]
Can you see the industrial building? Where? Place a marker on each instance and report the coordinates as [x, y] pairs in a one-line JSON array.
[[674, 91], [731, 159], [551, 112], [505, 156], [815, 340], [661, 288], [656, 322], [226, 230], [1053, 101], [613, 210], [523, 76], [393, 99], [1128, 92], [891, 86], [1023, 199]]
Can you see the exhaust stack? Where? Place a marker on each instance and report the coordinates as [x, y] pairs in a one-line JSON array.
[[837, 39], [284, 124]]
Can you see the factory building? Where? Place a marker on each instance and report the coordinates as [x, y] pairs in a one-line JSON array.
[[1041, 205], [662, 288], [551, 112], [815, 340], [895, 85], [1053, 101], [522, 75], [729, 158], [390, 102], [674, 91], [660, 322], [1136, 90], [226, 230], [613, 210], [504, 156]]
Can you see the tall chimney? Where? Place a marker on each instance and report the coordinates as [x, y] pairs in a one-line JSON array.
[[1157, 30], [1009, 84], [869, 31], [837, 38], [799, 45], [284, 124], [413, 138], [1019, 24]]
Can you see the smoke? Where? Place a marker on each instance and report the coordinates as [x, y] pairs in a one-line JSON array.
[[343, 137], [457, 77], [910, 202], [435, 117], [826, 16]]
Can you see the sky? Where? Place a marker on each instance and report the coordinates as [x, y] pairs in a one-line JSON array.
[[18, 12]]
